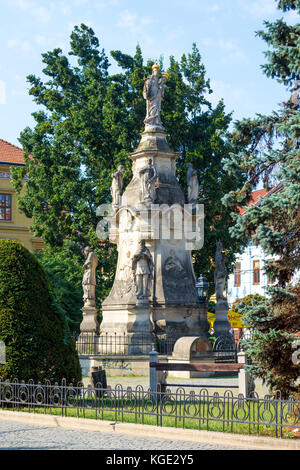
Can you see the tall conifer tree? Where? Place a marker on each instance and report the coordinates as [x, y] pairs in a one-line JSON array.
[[272, 155]]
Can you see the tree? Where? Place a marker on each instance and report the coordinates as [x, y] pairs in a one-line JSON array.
[[247, 300], [33, 325], [90, 120], [64, 270], [272, 155]]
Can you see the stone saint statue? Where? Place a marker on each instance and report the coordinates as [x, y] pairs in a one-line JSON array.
[[220, 272], [142, 267], [89, 277], [117, 186], [148, 176], [153, 93], [193, 184]]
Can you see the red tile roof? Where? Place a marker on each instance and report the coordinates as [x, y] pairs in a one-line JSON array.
[[9, 153], [260, 193]]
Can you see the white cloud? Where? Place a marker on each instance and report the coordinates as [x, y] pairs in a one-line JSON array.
[[221, 89], [260, 8], [23, 4], [65, 9], [11, 43], [23, 46], [42, 14], [132, 22], [26, 47], [291, 17], [41, 40], [214, 8], [174, 34], [233, 51]]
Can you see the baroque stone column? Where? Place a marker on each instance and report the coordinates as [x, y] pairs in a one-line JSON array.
[[154, 294]]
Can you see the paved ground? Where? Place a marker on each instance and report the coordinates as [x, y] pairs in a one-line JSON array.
[[144, 381], [220, 381], [19, 436]]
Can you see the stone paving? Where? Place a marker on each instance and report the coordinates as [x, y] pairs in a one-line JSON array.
[[144, 381], [19, 436], [220, 381]]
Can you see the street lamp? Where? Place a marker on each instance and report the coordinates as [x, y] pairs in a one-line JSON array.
[[202, 288]]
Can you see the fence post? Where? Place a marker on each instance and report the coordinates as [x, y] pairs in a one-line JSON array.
[[244, 376], [153, 359]]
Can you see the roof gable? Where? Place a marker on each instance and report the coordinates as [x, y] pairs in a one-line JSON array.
[[11, 154], [254, 201]]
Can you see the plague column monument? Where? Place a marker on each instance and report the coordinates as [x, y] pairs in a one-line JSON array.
[[154, 294]]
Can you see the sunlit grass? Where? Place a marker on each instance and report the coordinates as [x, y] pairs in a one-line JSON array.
[[198, 416]]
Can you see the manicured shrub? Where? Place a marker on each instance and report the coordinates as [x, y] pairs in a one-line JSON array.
[[32, 323]]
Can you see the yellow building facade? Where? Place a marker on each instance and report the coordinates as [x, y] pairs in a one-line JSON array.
[[13, 224]]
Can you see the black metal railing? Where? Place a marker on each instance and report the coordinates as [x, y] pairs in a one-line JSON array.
[[226, 412], [114, 344]]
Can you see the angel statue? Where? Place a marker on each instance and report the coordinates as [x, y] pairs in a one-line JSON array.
[[153, 93]]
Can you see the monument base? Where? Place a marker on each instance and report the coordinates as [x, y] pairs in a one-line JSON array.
[[134, 325], [89, 323], [221, 325]]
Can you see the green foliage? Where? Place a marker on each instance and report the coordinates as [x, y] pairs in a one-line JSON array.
[[273, 337], [247, 300], [272, 156], [87, 123], [32, 323], [63, 267]]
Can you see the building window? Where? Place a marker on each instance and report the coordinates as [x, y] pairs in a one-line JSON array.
[[256, 272], [237, 274], [5, 206]]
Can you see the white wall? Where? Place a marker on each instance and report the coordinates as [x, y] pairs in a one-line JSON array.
[[251, 253]]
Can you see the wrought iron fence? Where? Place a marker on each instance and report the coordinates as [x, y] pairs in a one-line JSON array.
[[271, 416], [114, 344]]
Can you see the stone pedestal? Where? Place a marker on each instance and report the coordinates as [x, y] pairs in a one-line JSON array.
[[221, 324], [133, 324], [89, 323], [203, 322]]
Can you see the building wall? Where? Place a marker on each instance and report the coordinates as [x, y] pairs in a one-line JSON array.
[[18, 227], [251, 253]]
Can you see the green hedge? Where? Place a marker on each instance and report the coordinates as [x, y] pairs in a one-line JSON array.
[[32, 323]]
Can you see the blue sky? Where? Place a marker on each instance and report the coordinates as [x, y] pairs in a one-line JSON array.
[[224, 31]]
